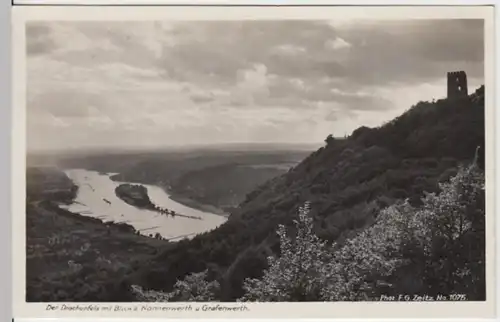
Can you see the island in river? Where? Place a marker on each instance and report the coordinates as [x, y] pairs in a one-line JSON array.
[[137, 195]]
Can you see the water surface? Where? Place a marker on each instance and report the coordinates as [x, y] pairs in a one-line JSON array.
[[95, 187]]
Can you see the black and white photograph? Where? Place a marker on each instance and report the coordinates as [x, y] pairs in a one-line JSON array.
[[256, 160]]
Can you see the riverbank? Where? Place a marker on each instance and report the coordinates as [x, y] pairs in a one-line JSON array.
[[188, 202], [87, 247], [137, 195], [181, 199], [75, 258], [111, 225], [162, 215]]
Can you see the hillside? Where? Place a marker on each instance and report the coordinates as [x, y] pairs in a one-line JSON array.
[[214, 179], [347, 182], [49, 183], [225, 186], [70, 257], [167, 166]]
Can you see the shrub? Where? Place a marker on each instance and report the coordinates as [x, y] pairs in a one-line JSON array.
[[437, 235], [440, 243], [193, 288]]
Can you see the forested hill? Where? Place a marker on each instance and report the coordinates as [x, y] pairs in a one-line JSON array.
[[347, 182]]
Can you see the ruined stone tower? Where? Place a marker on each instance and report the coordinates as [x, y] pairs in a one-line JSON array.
[[457, 85]]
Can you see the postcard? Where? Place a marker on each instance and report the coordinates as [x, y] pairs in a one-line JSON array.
[[253, 162]]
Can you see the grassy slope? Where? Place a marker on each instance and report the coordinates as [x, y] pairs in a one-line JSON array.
[[348, 182]]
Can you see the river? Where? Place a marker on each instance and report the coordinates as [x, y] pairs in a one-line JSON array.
[[95, 187]]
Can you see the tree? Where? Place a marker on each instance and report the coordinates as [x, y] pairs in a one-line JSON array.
[[297, 275], [436, 238], [447, 235], [442, 242], [329, 139], [194, 287], [309, 269]]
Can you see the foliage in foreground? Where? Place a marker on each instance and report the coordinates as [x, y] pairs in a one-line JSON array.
[[440, 243], [193, 288], [347, 183]]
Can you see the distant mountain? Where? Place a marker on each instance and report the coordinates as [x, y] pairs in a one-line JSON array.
[[348, 182], [252, 146], [76, 152]]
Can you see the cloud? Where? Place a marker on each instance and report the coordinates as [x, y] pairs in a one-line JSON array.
[[413, 51], [38, 39], [288, 49], [109, 83], [253, 84], [202, 97], [337, 44]]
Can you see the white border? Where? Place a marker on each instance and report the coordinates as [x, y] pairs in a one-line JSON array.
[[253, 3], [282, 310], [5, 166]]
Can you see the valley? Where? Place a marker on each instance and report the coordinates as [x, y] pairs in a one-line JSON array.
[[348, 182], [76, 217]]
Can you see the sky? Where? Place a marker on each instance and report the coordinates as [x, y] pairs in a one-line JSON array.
[[180, 83]]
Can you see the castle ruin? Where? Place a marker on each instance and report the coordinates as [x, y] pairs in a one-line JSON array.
[[457, 85]]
